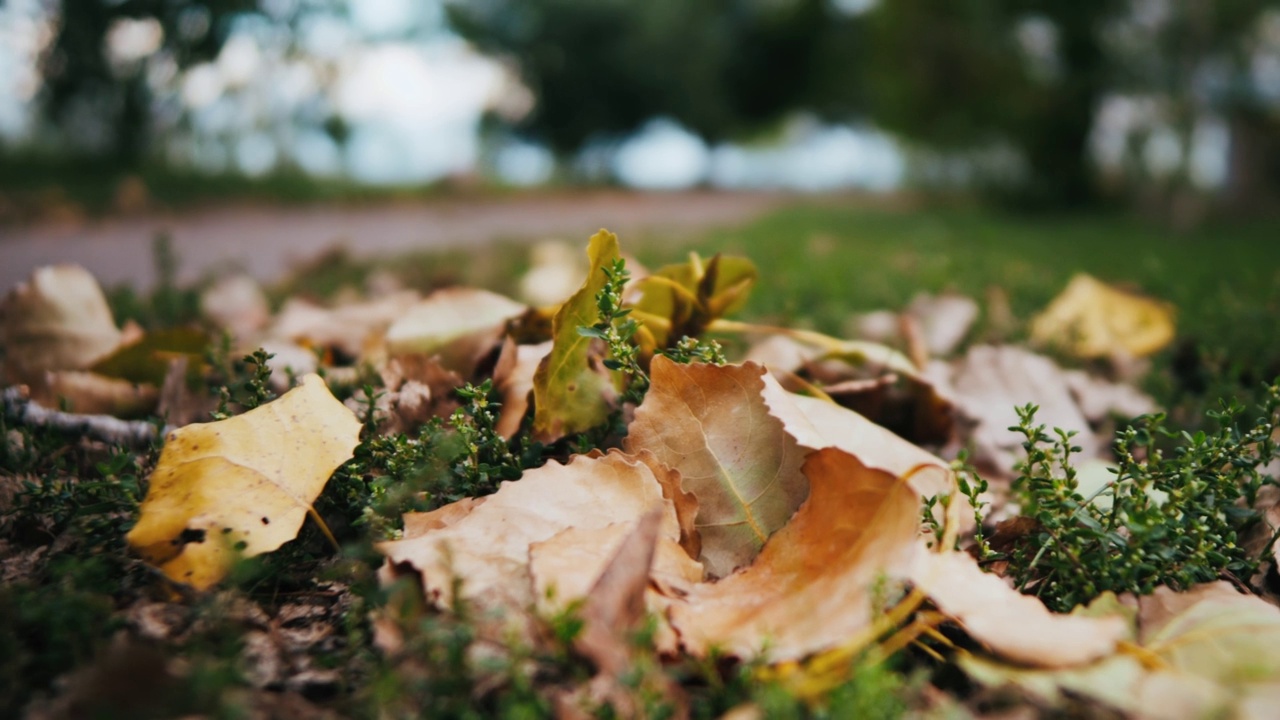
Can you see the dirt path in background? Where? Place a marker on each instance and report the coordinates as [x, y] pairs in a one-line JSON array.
[[269, 241]]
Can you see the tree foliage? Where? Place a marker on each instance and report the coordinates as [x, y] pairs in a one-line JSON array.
[[722, 68], [95, 98]]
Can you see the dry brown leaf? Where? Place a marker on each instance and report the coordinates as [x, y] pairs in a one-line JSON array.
[[711, 424], [237, 304], [818, 424], [513, 377], [617, 573], [990, 381], [1206, 652], [811, 587], [89, 393], [1091, 319], [420, 523], [904, 402], [242, 485], [457, 324], [1018, 627], [488, 548], [57, 320], [346, 328]]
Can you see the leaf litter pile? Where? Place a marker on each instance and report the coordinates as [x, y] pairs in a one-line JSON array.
[[583, 508]]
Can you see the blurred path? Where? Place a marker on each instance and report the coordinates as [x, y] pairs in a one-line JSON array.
[[268, 241]]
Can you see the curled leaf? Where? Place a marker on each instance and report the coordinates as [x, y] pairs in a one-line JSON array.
[[1016, 626]]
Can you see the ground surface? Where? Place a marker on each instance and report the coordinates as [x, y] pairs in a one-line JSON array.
[[266, 241]]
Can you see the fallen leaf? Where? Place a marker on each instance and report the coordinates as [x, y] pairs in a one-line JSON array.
[[1091, 319], [571, 394], [555, 272], [88, 393], [513, 378], [614, 610], [488, 548], [904, 402], [683, 299], [236, 304], [712, 425], [811, 588], [1206, 652], [457, 324], [599, 567], [346, 328], [989, 382], [818, 424], [1016, 626], [242, 485], [944, 320], [421, 523], [56, 320], [147, 360]]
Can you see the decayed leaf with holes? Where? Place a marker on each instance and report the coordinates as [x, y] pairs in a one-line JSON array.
[[57, 320], [241, 486], [712, 425], [571, 393], [811, 588], [1091, 319], [1207, 652], [488, 547]]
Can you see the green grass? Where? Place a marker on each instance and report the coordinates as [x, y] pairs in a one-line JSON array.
[[821, 263]]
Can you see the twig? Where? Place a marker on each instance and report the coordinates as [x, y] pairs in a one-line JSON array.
[[133, 433]]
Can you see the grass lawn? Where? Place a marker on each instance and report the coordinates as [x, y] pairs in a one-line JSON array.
[[820, 263]]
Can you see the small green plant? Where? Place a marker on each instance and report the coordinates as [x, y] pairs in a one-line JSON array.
[[489, 459], [1179, 506], [618, 332], [247, 383]]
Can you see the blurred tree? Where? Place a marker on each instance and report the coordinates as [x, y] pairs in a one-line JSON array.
[[1033, 74], [95, 88], [967, 73], [722, 68]]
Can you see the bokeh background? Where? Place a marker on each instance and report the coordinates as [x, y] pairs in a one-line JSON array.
[[1168, 107]]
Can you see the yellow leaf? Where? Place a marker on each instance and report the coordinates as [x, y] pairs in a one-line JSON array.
[[571, 394], [1091, 319], [241, 486], [712, 424], [688, 297]]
